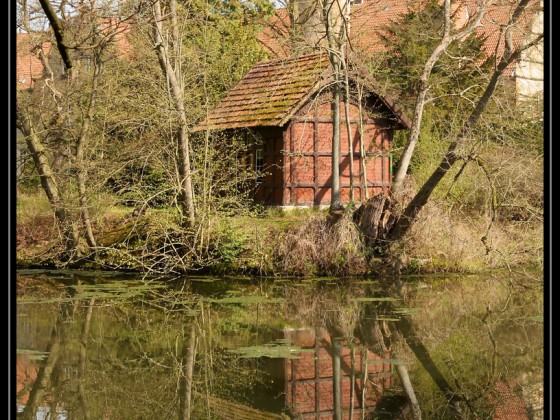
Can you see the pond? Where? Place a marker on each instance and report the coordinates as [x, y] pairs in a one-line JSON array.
[[115, 346]]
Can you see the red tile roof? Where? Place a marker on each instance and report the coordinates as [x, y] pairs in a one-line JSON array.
[[492, 27], [274, 35], [273, 91], [29, 67], [372, 16], [269, 94]]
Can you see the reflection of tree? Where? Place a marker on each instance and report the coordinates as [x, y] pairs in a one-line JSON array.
[[188, 360], [465, 365], [128, 353], [41, 384], [165, 352], [369, 332], [83, 357], [458, 348]]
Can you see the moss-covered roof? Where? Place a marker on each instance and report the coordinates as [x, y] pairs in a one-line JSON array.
[[273, 91], [269, 94]]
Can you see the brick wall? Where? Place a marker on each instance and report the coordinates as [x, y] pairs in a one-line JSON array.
[[308, 158]]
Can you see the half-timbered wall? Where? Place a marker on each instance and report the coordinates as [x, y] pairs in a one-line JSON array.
[[307, 168], [297, 158]]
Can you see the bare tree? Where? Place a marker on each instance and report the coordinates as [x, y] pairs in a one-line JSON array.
[[46, 174], [447, 39], [56, 114], [170, 63], [510, 55], [332, 19]]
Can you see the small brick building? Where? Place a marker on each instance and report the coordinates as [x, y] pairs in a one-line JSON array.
[[286, 105]]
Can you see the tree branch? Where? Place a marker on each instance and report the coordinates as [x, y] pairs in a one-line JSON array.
[[58, 34]]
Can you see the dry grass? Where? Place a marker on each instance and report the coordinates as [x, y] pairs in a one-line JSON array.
[[35, 223], [305, 243], [317, 247], [446, 241]]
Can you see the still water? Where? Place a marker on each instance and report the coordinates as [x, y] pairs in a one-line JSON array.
[[110, 346]]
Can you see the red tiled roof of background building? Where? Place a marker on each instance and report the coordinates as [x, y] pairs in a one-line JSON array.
[[372, 16], [492, 27], [29, 67], [274, 35]]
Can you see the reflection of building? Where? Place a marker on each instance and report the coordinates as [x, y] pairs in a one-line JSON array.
[[26, 373], [309, 378]]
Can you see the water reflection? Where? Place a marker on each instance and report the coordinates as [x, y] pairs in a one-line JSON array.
[[101, 347]]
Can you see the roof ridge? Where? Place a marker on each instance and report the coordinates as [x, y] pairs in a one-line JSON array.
[[289, 60]]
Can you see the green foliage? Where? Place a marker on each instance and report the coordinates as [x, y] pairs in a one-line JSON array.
[[227, 244], [500, 166], [408, 45], [410, 42]]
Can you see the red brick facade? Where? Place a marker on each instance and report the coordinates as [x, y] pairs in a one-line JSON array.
[[298, 158]]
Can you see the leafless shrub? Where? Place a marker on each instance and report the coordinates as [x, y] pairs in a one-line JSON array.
[[318, 246]]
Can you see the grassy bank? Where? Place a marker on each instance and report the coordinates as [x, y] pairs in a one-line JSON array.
[[272, 242]]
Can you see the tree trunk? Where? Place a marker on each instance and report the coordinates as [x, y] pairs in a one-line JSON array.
[[43, 378], [375, 218], [335, 169], [364, 190], [421, 198], [332, 20], [349, 131], [174, 77], [414, 133], [58, 34], [80, 163], [48, 181], [405, 327], [352, 381], [45, 371], [402, 371], [83, 359]]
